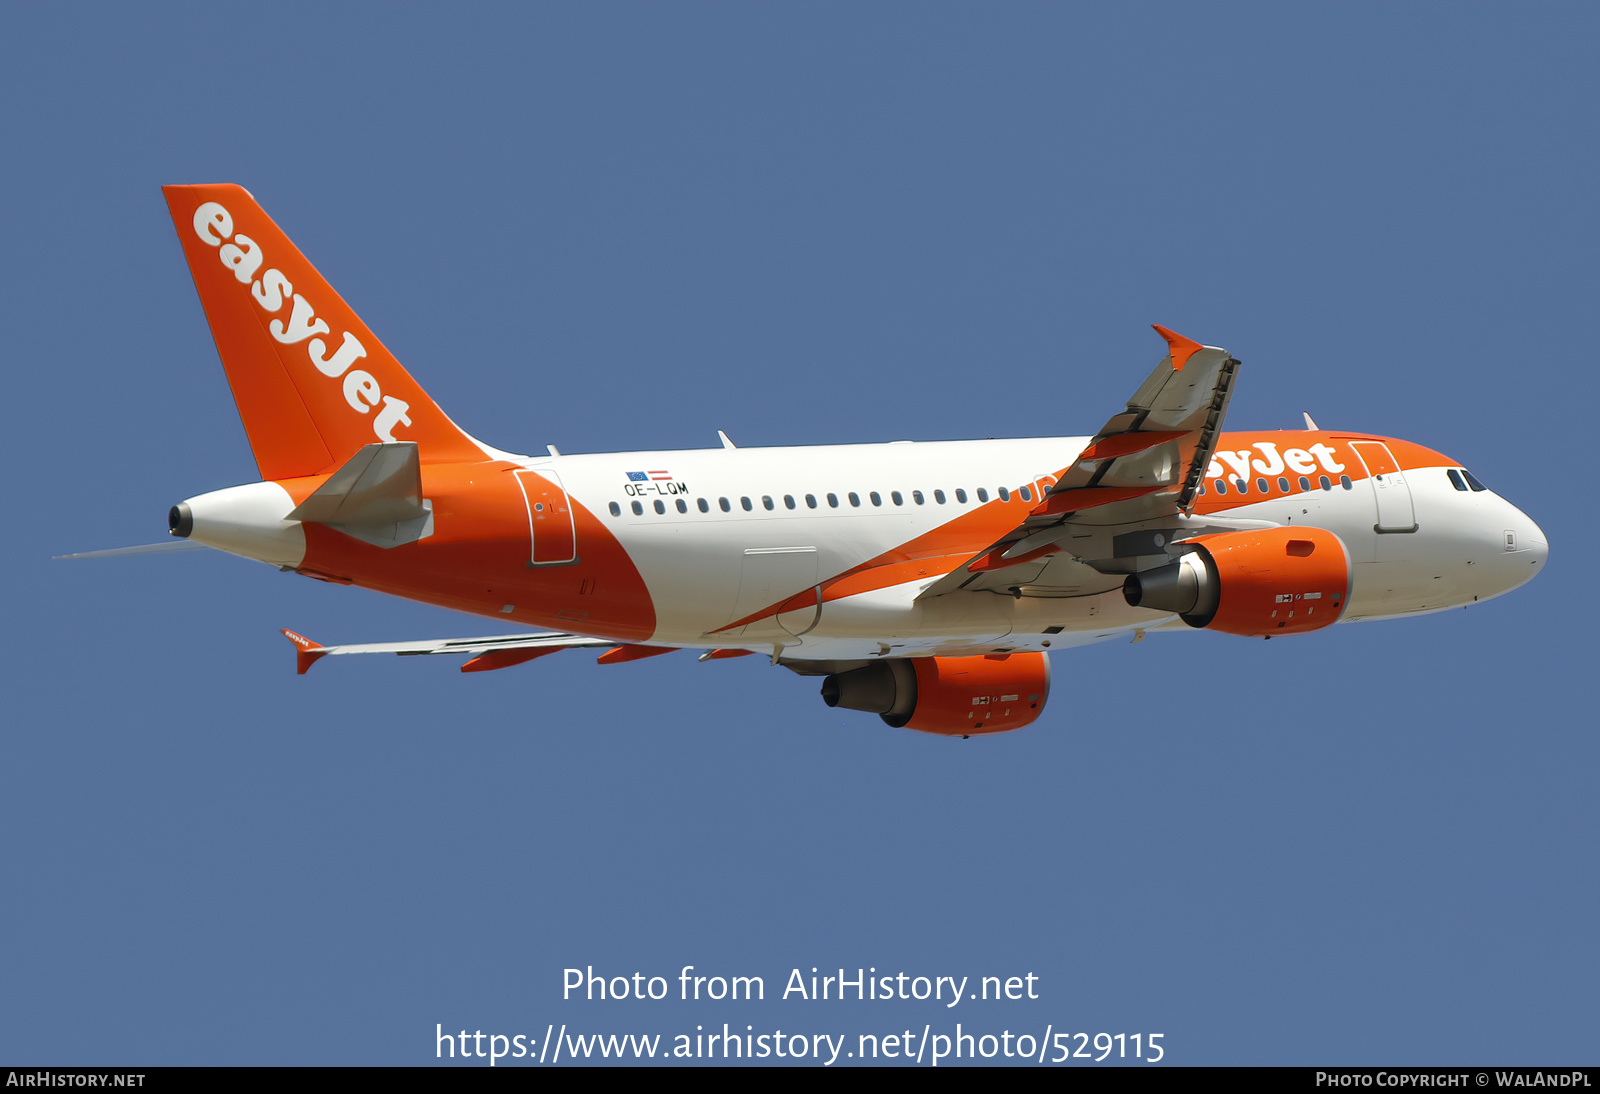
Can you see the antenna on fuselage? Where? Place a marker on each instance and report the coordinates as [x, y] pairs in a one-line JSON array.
[[723, 437], [1310, 425]]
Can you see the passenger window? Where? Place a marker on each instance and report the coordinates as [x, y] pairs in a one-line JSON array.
[[1202, 492], [1242, 485], [833, 501], [1005, 495], [638, 510], [1455, 481], [788, 501], [1305, 483], [1283, 484], [894, 496], [1344, 481], [745, 504], [916, 496], [855, 499], [661, 506], [726, 508], [704, 507], [983, 495], [766, 502], [683, 506], [1222, 487], [1326, 485], [1472, 480], [1261, 485], [1027, 494], [961, 496], [616, 510], [811, 501]]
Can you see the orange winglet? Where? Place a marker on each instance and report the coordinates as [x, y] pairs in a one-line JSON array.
[[1087, 497], [1182, 348], [718, 655], [631, 653], [307, 652], [1125, 444], [504, 659], [992, 560]]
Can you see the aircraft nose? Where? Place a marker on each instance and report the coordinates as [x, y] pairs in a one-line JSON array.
[[1538, 543], [1526, 546]]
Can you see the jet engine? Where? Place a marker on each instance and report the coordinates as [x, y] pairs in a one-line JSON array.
[[954, 696], [1257, 584]]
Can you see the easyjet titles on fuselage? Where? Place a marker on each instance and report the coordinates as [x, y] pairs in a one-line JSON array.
[[1302, 461]]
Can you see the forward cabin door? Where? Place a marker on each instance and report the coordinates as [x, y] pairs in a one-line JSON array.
[[1396, 514], [554, 540]]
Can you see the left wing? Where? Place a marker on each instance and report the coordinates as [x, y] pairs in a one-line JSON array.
[[494, 652], [1143, 468]]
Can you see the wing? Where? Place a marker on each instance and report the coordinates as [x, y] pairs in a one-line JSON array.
[[1140, 471], [494, 652]]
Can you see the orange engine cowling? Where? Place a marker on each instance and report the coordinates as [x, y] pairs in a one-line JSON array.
[[954, 696], [1258, 584]]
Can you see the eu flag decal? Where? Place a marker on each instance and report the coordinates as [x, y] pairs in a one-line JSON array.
[[637, 476]]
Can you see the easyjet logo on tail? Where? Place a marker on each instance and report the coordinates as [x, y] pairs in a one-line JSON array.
[[241, 254]]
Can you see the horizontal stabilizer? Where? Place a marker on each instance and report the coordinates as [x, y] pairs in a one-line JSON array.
[[380, 484]]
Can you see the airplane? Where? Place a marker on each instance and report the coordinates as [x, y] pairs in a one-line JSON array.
[[925, 582]]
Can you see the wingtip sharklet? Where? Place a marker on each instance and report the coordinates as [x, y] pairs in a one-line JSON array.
[[1182, 348], [306, 652]]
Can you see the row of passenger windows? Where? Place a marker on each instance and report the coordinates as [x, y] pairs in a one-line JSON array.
[[833, 502], [1460, 478], [1264, 486]]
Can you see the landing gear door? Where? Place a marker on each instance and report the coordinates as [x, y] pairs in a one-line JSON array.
[[552, 534], [1396, 514]]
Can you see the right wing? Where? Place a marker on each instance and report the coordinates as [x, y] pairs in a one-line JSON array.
[[1148, 460], [1142, 469]]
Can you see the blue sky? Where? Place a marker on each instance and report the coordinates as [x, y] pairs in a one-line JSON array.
[[625, 226]]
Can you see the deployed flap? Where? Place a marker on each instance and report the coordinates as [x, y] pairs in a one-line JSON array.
[[380, 484], [500, 645], [1144, 465]]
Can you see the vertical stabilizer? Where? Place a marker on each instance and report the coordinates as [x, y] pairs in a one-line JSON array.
[[312, 383]]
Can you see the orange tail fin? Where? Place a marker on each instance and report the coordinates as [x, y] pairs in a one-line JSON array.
[[312, 383]]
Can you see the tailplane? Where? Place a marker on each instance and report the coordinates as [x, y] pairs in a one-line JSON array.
[[312, 383]]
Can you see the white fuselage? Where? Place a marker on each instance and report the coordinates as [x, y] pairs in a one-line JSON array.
[[763, 540]]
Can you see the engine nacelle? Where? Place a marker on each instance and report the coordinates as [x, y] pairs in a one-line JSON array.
[[1257, 584], [955, 696]]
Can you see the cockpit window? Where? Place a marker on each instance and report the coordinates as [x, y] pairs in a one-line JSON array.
[[1472, 480], [1456, 480]]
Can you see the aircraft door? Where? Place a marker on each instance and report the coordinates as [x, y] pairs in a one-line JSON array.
[[1396, 514], [552, 535], [773, 574]]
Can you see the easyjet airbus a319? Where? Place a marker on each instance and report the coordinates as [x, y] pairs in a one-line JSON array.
[[923, 582]]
